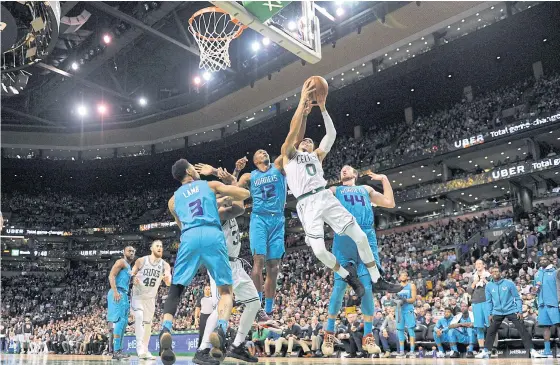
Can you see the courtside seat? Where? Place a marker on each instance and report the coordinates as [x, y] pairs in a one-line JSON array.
[[504, 335], [423, 335]]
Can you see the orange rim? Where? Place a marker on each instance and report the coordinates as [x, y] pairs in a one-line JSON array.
[[215, 9]]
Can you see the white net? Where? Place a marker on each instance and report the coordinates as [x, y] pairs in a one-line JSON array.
[[213, 29]]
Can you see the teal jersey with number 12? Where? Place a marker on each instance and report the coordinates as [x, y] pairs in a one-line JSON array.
[[268, 191]]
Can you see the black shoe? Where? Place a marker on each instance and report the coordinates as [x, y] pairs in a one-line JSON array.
[[455, 355], [203, 358], [118, 355], [240, 352], [318, 353], [219, 345], [383, 286], [166, 352], [470, 355], [494, 353], [351, 356], [354, 282]]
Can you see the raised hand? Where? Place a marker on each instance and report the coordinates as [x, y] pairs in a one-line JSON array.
[[376, 177], [307, 92], [204, 169], [226, 177], [241, 163]]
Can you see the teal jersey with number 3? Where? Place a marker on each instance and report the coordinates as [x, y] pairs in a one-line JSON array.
[[268, 191], [356, 200], [196, 206]]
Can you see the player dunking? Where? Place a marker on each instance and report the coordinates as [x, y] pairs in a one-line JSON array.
[[358, 201], [195, 210], [118, 305], [148, 271], [317, 205]]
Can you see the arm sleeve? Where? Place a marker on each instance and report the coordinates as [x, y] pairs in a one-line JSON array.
[[488, 294], [516, 298], [329, 138]]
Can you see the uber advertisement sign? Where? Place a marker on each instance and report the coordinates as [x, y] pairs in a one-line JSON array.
[[510, 129], [496, 174]]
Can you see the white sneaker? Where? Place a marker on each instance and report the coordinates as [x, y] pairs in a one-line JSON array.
[[440, 355], [147, 356], [484, 354], [537, 355]]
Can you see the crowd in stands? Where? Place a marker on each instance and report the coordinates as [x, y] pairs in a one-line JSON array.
[[68, 311]]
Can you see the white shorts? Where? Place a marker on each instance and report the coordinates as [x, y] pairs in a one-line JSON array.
[[320, 208], [243, 286], [145, 307]]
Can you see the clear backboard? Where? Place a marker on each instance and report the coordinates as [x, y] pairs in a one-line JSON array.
[[292, 25]]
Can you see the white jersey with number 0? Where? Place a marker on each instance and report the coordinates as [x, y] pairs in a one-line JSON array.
[[149, 275], [231, 232], [304, 173]]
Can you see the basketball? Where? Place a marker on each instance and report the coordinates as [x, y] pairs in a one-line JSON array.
[[321, 86]]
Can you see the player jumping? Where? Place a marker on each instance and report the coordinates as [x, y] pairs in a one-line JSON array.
[[118, 305], [267, 184], [316, 204], [148, 271], [358, 201], [195, 210]]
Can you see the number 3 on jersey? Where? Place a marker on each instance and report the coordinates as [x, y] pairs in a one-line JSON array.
[[196, 208]]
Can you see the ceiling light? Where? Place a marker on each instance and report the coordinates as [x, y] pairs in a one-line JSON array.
[[106, 39], [470, 194], [206, 75], [142, 101], [479, 19], [197, 80], [75, 66], [400, 172], [477, 14], [412, 89], [470, 161], [292, 25], [491, 161], [413, 176], [433, 170], [462, 193], [82, 110], [408, 208], [339, 11], [255, 46], [449, 76], [398, 207], [438, 175], [266, 41], [378, 102], [498, 57], [101, 108], [427, 201], [400, 184], [492, 8], [544, 40], [486, 157], [458, 156]]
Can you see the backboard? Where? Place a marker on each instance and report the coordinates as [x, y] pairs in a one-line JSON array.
[[292, 25]]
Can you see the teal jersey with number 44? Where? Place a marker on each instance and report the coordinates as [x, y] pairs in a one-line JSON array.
[[356, 201], [196, 206], [268, 191]]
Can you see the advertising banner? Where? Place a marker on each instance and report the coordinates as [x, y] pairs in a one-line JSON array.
[[182, 343]]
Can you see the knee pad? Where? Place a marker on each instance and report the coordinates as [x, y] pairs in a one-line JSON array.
[[367, 300], [411, 333], [337, 296], [173, 298], [400, 335]]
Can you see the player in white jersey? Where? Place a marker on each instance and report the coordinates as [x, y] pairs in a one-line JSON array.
[[316, 204], [148, 271], [243, 287]]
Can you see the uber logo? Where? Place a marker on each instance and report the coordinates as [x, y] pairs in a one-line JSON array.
[[467, 142], [501, 174]]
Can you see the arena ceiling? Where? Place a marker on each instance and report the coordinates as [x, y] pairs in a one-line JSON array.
[[155, 60]]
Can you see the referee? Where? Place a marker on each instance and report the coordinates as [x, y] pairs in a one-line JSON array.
[[204, 308]]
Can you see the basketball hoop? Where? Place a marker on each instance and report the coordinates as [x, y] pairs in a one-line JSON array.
[[214, 29]]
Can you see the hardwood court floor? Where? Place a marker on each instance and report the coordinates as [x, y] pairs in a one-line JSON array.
[[6, 359]]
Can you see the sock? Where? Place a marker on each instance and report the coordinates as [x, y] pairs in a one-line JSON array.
[[454, 348], [374, 273], [330, 324], [440, 348], [342, 272], [368, 328], [547, 346], [268, 303], [223, 324], [167, 324], [412, 347], [260, 296], [471, 347]]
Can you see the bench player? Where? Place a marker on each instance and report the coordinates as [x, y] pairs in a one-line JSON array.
[[118, 305], [267, 184], [195, 210], [148, 271], [358, 201], [316, 204]]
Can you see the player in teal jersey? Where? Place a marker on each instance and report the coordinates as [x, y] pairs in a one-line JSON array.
[[118, 305], [195, 209], [358, 201], [267, 184]]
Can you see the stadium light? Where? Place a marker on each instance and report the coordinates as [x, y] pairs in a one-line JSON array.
[[197, 80], [142, 101], [206, 75], [339, 11], [266, 41], [82, 110], [255, 46], [101, 109], [106, 39], [292, 26], [75, 66]]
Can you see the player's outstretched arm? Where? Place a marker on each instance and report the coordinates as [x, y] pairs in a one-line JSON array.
[[244, 181], [171, 206], [288, 149], [137, 267], [330, 136], [387, 199], [233, 191]]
